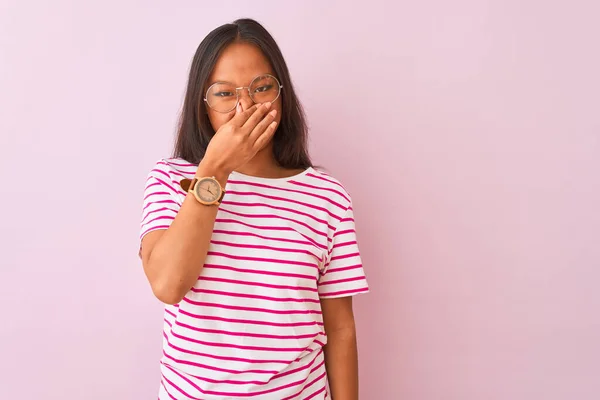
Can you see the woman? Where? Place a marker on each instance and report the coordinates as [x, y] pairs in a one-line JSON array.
[[252, 250]]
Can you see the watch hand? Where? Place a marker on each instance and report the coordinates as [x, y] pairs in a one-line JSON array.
[[208, 190]]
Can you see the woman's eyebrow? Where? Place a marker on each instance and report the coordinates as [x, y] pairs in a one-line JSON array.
[[220, 81], [231, 83]]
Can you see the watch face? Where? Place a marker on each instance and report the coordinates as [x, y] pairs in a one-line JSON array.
[[208, 190]]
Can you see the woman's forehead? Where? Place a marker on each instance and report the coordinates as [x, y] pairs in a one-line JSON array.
[[239, 63]]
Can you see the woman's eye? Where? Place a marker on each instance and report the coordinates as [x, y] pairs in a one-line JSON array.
[[263, 88], [223, 94]]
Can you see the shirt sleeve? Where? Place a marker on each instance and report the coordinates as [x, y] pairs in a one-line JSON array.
[[161, 203], [343, 274]]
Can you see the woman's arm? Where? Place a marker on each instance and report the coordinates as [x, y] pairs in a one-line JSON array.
[[341, 354], [173, 258]]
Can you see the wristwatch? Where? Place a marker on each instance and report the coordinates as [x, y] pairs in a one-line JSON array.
[[207, 190]]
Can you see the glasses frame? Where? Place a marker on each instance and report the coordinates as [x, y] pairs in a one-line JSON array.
[[237, 92]]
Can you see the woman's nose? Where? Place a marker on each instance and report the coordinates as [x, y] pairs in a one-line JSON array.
[[245, 99]]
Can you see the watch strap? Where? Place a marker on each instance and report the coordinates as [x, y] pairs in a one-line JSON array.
[[188, 184]]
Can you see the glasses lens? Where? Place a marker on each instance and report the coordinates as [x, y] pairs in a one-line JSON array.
[[222, 97], [264, 88]]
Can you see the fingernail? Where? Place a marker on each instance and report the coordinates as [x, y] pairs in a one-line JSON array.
[[268, 104], [273, 113], [239, 107]]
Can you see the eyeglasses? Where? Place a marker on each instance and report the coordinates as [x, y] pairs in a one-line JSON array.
[[224, 97]]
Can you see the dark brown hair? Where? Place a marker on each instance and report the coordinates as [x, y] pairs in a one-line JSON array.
[[195, 131]]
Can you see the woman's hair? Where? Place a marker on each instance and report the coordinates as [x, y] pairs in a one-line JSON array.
[[195, 131]]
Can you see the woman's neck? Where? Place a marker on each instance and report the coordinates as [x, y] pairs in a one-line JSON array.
[[264, 165]]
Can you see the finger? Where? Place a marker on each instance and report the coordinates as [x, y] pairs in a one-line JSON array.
[[264, 138], [241, 116], [263, 125], [256, 117]]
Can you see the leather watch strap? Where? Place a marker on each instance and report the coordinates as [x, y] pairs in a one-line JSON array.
[[187, 184], [221, 197]]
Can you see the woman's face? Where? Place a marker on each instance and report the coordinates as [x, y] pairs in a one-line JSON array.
[[239, 64]]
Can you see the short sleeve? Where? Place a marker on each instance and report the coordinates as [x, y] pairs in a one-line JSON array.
[[343, 274], [160, 205]]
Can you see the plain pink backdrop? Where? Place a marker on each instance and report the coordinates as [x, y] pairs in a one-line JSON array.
[[468, 133]]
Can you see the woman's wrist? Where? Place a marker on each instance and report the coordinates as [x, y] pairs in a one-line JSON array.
[[208, 168]]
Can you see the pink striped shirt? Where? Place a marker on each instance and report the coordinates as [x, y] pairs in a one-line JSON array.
[[251, 327]]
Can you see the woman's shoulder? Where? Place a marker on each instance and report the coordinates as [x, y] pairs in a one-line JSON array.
[[319, 179], [175, 166], [325, 177], [168, 172]]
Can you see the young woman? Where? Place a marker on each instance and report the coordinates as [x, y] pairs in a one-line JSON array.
[[252, 250]]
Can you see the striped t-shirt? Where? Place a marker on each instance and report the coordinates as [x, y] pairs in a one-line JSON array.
[[251, 327]]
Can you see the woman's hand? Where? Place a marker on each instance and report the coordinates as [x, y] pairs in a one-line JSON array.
[[237, 141]]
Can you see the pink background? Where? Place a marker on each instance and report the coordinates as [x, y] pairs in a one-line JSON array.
[[467, 132]]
